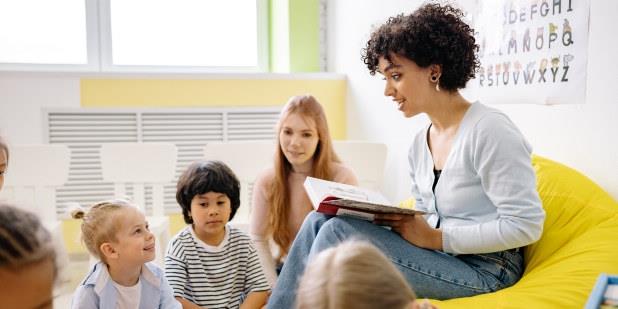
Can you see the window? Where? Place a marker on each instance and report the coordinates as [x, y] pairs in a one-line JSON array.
[[135, 36], [47, 33]]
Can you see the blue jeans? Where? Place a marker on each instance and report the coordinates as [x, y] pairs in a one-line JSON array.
[[432, 274]]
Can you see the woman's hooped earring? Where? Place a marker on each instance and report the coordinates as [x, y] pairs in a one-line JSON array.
[[436, 80]]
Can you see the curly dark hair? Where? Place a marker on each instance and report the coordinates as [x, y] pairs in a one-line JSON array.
[[24, 240], [433, 34], [207, 176]]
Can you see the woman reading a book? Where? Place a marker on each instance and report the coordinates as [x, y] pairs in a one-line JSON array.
[[470, 168], [279, 204]]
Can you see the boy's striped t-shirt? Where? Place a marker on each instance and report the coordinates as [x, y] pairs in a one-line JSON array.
[[214, 276]]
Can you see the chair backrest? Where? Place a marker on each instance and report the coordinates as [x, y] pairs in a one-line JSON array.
[[139, 164], [33, 174], [248, 158], [366, 159]]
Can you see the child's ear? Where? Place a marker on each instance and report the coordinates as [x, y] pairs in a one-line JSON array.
[[108, 250]]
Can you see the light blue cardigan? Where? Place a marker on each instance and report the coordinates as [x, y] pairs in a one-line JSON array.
[[98, 291], [486, 195]]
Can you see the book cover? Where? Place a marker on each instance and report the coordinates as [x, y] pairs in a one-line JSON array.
[[333, 198], [604, 294]]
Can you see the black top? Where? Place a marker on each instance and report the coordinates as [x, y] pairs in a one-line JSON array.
[[436, 174]]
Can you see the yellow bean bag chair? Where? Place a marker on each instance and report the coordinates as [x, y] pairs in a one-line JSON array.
[[579, 242]]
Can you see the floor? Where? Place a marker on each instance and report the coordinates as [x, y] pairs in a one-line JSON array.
[[76, 270]]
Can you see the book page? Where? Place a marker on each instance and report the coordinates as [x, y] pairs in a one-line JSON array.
[[611, 295], [319, 189]]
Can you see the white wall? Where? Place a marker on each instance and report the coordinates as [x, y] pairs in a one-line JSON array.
[[582, 136], [22, 98]]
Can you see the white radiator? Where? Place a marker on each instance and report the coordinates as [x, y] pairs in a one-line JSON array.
[[84, 130]]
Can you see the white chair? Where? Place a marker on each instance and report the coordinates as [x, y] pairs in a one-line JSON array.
[[366, 159], [247, 159], [138, 165], [33, 174]]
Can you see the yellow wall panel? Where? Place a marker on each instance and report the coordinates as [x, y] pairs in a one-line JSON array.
[[217, 92], [71, 232]]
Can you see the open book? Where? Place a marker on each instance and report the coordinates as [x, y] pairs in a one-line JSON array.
[[333, 198]]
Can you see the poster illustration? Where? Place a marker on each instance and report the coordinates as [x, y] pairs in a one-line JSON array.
[[531, 51]]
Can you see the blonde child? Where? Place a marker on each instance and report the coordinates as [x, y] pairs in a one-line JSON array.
[[354, 274], [280, 204], [210, 263], [4, 160], [116, 232], [27, 260]]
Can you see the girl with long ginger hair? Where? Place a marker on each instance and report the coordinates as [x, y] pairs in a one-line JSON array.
[[280, 204]]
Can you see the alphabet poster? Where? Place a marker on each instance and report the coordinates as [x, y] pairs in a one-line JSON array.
[[531, 51]]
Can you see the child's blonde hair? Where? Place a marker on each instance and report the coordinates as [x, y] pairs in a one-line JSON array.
[[354, 274], [100, 224]]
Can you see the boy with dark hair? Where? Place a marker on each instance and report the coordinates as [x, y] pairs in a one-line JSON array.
[[210, 263]]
